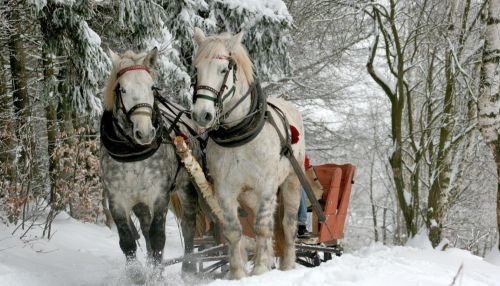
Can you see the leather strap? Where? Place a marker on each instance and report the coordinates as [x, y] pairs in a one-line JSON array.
[[286, 149], [249, 127], [202, 96], [131, 68]]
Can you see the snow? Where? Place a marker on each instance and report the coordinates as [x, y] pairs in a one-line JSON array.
[[275, 9], [77, 254], [408, 197], [494, 256], [434, 223], [420, 241], [381, 265], [88, 254]]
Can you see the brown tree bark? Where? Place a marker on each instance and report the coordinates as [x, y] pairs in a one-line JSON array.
[[51, 118], [7, 134], [17, 61], [50, 92]]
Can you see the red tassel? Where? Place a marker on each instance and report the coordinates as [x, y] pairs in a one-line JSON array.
[[184, 136], [295, 134], [307, 163]]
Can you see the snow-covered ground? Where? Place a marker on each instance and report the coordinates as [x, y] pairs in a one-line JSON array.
[[88, 254]]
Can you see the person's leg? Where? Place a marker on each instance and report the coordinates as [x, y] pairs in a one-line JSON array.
[[302, 216]]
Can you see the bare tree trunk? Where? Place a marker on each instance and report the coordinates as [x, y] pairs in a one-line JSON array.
[[7, 135], [438, 193], [372, 202], [51, 117], [489, 96], [397, 98], [17, 60], [50, 93]]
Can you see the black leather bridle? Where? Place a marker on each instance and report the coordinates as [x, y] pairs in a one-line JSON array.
[[220, 97], [119, 91]]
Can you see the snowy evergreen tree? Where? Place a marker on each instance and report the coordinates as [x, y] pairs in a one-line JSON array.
[[84, 63], [265, 24]]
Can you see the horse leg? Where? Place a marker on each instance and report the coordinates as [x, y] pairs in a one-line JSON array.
[[143, 213], [264, 221], [188, 224], [157, 230], [291, 199], [127, 238], [232, 231]]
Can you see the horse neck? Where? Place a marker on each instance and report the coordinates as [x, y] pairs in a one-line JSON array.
[[238, 114]]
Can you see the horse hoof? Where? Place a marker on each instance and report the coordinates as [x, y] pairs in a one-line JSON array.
[[287, 267], [237, 274], [156, 274], [259, 269]]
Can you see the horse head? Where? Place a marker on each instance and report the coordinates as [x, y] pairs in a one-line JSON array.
[[223, 67], [129, 94]]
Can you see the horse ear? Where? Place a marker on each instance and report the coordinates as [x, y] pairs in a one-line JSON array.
[[151, 58], [115, 58], [199, 36], [235, 40]]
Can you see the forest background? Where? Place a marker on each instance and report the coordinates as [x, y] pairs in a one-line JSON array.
[[405, 90]]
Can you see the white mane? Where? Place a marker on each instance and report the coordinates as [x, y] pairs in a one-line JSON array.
[[127, 59], [212, 47]]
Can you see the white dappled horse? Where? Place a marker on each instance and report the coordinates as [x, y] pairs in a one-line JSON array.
[[244, 152]]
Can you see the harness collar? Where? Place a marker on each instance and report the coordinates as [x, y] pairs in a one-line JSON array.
[[120, 147], [249, 127]]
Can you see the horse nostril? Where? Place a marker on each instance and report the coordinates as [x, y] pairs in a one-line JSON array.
[[208, 117], [138, 134]]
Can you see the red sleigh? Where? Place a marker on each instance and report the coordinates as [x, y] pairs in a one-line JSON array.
[[336, 181]]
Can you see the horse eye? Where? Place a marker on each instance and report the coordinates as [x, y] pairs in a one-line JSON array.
[[122, 90], [224, 70]]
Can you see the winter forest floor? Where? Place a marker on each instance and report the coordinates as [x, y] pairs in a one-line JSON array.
[[88, 254]]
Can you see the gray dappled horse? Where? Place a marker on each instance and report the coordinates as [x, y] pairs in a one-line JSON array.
[[139, 172]]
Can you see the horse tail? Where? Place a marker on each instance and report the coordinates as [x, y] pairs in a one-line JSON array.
[[279, 231], [175, 205]]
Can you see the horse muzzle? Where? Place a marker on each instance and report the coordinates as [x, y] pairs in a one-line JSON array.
[[203, 118], [143, 132]]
